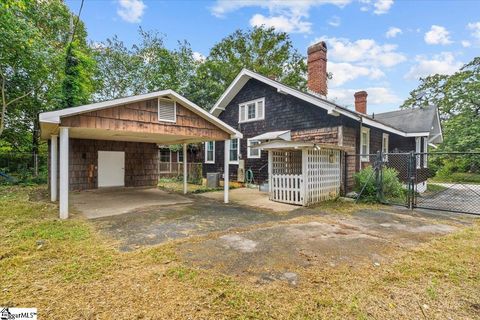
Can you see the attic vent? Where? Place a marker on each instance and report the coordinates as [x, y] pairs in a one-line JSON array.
[[167, 110]]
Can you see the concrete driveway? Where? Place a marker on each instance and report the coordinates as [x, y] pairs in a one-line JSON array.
[[116, 201], [455, 196]]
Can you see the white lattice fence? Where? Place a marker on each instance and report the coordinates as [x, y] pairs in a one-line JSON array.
[[322, 175], [287, 188]]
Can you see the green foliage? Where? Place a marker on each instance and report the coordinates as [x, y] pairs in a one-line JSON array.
[[77, 86], [263, 50], [365, 179], [458, 98], [145, 67]]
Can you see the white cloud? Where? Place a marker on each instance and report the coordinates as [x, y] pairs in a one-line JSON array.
[[343, 72], [131, 10], [365, 52], [382, 6], [376, 96], [197, 56], [287, 15], [466, 44], [282, 23], [437, 35], [393, 32], [475, 28], [443, 63], [335, 21]]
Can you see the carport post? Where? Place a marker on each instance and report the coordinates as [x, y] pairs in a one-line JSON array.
[[53, 167], [185, 171], [63, 173], [226, 171]]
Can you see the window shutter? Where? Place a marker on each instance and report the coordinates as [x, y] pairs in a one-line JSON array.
[[166, 110], [260, 110], [242, 113]]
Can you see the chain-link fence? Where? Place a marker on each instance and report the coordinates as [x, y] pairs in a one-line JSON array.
[[19, 167], [439, 181]]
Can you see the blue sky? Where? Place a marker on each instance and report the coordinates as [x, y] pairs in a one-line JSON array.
[[381, 46]]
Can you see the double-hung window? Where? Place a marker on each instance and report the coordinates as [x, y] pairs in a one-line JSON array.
[[425, 152], [253, 153], [234, 150], [180, 156], [251, 111], [418, 150], [365, 144], [385, 138], [210, 152]]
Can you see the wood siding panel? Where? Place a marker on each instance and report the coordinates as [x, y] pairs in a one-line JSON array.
[[143, 117]]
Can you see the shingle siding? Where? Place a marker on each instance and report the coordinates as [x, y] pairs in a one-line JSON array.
[[305, 120]]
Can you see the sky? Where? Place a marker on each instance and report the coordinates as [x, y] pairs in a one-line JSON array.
[[381, 46]]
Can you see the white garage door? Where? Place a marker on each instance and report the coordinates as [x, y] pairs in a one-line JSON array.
[[111, 168]]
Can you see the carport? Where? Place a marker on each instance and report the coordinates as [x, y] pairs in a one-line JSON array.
[[115, 143]]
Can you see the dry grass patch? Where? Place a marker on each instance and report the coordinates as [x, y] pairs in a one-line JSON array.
[[69, 271]]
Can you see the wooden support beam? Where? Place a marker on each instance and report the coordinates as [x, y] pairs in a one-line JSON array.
[[185, 171], [226, 171], [53, 167], [64, 172]]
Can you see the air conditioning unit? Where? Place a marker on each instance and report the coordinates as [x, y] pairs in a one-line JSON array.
[[241, 171]]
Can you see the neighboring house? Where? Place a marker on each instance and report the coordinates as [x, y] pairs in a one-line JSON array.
[[285, 120]]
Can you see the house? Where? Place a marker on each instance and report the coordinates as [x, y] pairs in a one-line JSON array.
[[115, 143], [298, 140]]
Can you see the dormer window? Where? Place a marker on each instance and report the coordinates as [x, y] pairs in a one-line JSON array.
[[167, 110], [252, 110]]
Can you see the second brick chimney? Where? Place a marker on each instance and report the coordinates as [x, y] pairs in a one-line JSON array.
[[317, 68], [361, 101]]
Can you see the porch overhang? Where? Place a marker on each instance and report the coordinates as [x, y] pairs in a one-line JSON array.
[[292, 145]]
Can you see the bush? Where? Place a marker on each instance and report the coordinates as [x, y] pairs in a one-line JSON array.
[[392, 187]]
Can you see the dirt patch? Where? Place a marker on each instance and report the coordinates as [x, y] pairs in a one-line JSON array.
[[367, 237]]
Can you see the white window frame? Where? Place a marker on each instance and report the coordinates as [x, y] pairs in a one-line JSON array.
[[425, 152], [178, 155], [206, 152], [418, 143], [238, 152], [245, 105], [385, 137], [174, 111], [249, 150], [367, 131]]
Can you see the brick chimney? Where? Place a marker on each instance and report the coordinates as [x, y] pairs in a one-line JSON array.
[[361, 101], [317, 68]]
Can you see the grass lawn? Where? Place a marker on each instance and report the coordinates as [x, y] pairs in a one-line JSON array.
[[458, 177], [69, 271]]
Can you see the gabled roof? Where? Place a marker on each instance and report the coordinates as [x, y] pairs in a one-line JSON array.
[[55, 116], [331, 107], [274, 135], [414, 120]]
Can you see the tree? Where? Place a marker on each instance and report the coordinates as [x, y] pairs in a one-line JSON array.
[[145, 67], [260, 49], [35, 35], [457, 97]]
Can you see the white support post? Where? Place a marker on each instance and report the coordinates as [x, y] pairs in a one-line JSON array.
[[185, 171], [53, 167], [304, 188], [226, 171], [64, 173], [270, 171]]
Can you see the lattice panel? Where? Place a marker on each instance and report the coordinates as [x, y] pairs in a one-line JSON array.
[[323, 175], [287, 162]]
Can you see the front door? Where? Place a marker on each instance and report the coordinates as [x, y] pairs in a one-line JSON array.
[[111, 169]]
